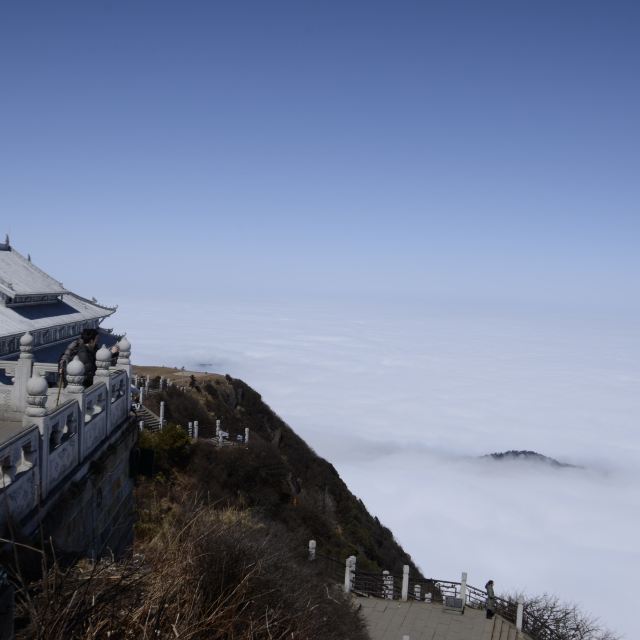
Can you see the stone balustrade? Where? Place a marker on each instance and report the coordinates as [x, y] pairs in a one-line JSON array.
[[47, 433]]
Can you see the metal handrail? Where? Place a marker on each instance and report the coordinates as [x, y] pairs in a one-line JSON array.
[[376, 584]]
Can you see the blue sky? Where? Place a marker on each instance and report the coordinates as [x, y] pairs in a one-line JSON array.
[[482, 149]]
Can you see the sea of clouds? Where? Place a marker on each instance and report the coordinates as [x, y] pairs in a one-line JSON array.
[[404, 399]]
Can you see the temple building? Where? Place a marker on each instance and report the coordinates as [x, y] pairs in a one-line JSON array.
[[32, 301], [64, 446]]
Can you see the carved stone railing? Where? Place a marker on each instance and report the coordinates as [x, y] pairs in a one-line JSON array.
[[20, 476], [56, 430]]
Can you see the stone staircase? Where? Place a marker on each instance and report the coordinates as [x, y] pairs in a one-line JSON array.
[[150, 419]]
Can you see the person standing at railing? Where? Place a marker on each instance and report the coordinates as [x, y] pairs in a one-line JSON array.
[[87, 354], [490, 602]]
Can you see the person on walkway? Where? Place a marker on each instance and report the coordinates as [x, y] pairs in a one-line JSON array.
[[490, 602]]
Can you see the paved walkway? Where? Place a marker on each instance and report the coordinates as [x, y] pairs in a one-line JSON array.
[[393, 619]]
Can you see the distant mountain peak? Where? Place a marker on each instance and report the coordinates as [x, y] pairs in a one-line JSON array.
[[528, 456]]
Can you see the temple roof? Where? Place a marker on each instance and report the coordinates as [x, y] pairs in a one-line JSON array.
[[70, 309], [19, 276]]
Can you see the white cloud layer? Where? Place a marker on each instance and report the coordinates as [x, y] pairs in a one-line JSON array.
[[402, 400]]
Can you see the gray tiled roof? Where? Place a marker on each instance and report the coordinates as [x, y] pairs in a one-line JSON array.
[[14, 320], [19, 276]]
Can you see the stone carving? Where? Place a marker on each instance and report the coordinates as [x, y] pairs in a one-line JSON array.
[[75, 376], [125, 351], [26, 347], [36, 395], [103, 362]]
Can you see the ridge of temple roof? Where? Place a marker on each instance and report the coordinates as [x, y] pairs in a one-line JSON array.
[[19, 276]]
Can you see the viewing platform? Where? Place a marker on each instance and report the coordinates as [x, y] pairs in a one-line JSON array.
[[49, 435]]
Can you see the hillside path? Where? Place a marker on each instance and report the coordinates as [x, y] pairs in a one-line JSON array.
[[393, 619]]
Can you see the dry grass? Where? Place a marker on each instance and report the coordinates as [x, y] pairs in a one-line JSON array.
[[202, 574]]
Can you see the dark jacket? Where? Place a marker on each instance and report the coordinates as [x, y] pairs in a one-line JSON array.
[[87, 355]]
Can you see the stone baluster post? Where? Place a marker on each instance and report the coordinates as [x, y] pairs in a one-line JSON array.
[[161, 415], [37, 388], [124, 363], [417, 592], [146, 383], [349, 573], [103, 362], [190, 429], [312, 549], [520, 615], [23, 372], [141, 425], [246, 435], [405, 582], [217, 428], [463, 589], [141, 395], [75, 379], [196, 428]]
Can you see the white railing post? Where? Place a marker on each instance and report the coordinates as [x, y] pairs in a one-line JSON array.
[[463, 589], [312, 549], [417, 592], [190, 430], [349, 572], [405, 582], [246, 435], [520, 614], [141, 395], [195, 430], [141, 425], [161, 415]]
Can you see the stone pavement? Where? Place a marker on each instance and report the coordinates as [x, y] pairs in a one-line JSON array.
[[393, 619]]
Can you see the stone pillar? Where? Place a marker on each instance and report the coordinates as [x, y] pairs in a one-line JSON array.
[[141, 395], [161, 415], [75, 379], [349, 573], [405, 582], [519, 614], [37, 388], [246, 435], [23, 372], [146, 383], [196, 427], [417, 592], [463, 589], [312, 549], [103, 362], [124, 363], [124, 353]]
